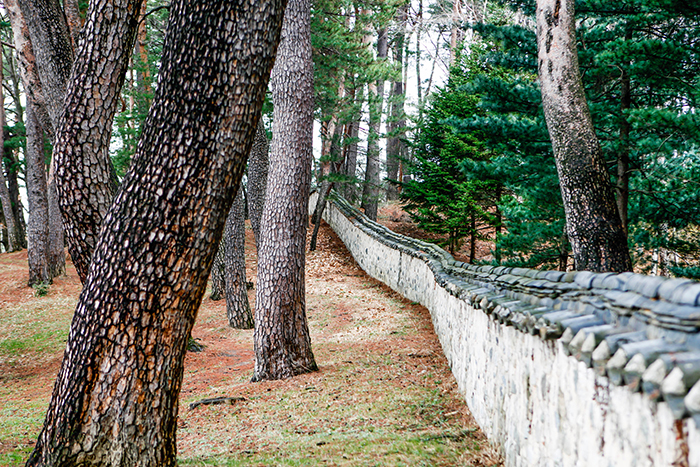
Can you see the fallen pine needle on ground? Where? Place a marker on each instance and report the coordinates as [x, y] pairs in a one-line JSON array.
[[384, 394]]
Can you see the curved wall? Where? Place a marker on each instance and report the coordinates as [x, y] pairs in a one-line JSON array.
[[559, 369]]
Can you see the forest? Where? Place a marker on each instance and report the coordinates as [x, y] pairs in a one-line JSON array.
[[139, 136]]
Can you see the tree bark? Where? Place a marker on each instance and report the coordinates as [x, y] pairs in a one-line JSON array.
[[622, 186], [51, 44], [218, 271], [115, 398], [5, 199], [258, 167], [237, 305], [57, 252], [85, 178], [12, 166], [37, 198], [28, 71], [593, 223], [395, 146], [282, 341], [371, 192], [352, 140], [73, 20]]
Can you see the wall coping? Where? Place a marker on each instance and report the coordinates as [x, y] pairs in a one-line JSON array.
[[641, 332]]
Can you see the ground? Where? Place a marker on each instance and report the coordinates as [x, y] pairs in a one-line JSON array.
[[384, 394]]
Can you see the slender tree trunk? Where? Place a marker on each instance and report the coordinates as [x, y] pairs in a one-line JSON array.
[[115, 398], [593, 223], [52, 48], [258, 166], [622, 187], [81, 148], [395, 148], [37, 198], [371, 193], [237, 305], [13, 241], [12, 166], [57, 252], [75, 23], [419, 88], [472, 246], [218, 271], [352, 143], [456, 30], [326, 186], [28, 71], [282, 341]]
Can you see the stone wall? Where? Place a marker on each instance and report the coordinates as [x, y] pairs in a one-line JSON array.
[[559, 369]]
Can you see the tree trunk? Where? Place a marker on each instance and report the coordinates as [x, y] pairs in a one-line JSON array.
[[593, 223], [115, 398], [13, 241], [282, 342], [52, 48], [351, 145], [371, 193], [218, 271], [37, 198], [75, 23], [12, 165], [28, 71], [237, 305], [57, 252], [395, 147], [456, 30], [326, 186], [258, 166], [81, 149], [622, 187]]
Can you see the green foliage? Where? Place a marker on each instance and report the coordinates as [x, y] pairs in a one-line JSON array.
[[137, 92], [440, 198], [653, 45], [41, 289]]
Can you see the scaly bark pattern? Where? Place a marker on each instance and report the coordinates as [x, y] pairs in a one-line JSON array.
[[27, 65], [237, 305], [282, 342], [598, 241], [115, 398], [53, 50], [258, 167], [37, 198], [85, 178]]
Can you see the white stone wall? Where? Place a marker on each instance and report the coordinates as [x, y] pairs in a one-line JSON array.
[[540, 406]]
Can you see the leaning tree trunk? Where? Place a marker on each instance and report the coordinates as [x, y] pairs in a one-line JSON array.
[[593, 224], [258, 166], [28, 71], [53, 50], [38, 200], [237, 305], [282, 341], [115, 398], [371, 192], [85, 179]]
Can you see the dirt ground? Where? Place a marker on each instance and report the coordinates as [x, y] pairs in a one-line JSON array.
[[383, 394]]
